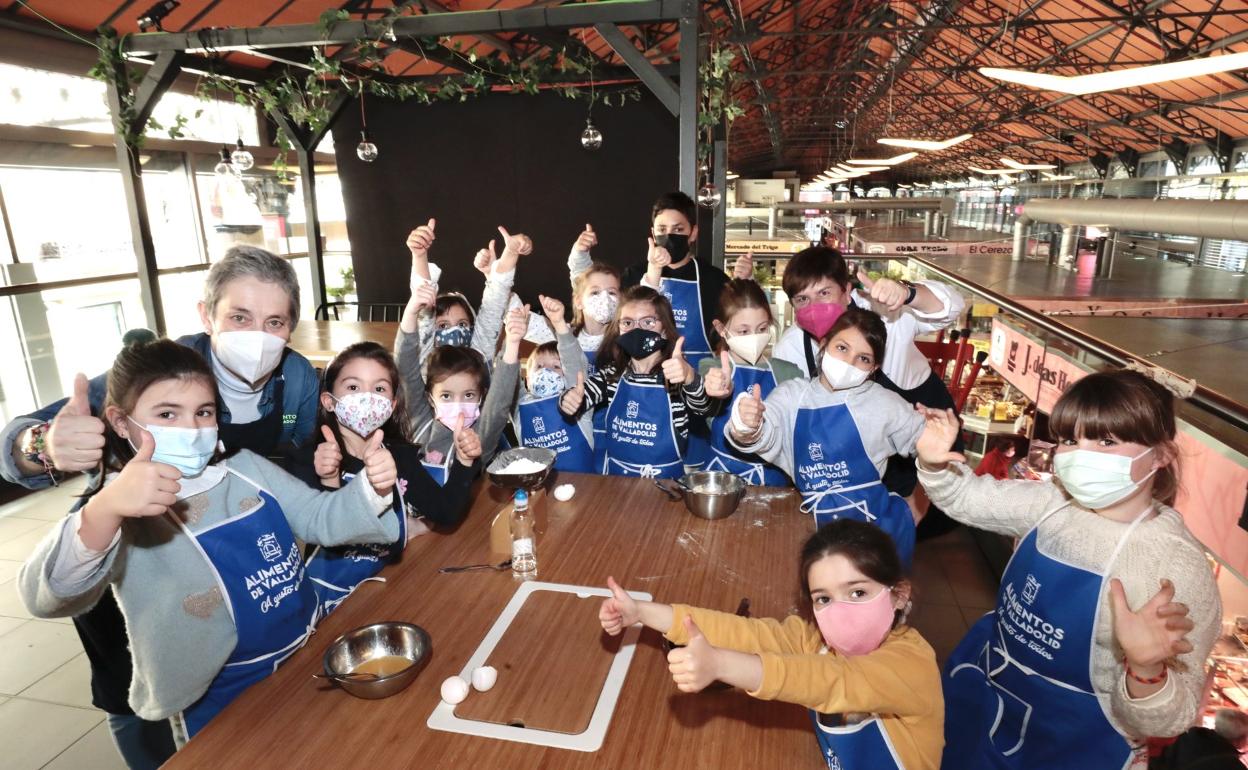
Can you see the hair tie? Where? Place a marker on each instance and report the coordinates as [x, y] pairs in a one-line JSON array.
[[1180, 387]]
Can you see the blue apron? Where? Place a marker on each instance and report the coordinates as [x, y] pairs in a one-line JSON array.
[[725, 457], [260, 571], [837, 479], [686, 302], [336, 571], [861, 746], [1019, 687], [440, 472], [541, 424], [600, 418], [641, 438]]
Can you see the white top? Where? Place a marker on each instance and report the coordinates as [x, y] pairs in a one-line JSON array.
[[1160, 547], [239, 396], [903, 363]]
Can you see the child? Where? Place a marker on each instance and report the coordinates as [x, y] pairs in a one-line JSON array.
[[200, 551], [833, 434], [744, 328], [870, 681], [361, 396], [457, 392], [647, 420], [538, 421], [691, 285], [430, 320], [1064, 645]]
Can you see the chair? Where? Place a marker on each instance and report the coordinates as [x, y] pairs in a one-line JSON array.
[[364, 311], [958, 352]]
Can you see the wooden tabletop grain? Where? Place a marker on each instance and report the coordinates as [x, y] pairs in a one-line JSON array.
[[320, 341], [613, 526]]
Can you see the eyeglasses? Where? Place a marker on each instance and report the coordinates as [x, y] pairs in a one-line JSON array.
[[649, 323]]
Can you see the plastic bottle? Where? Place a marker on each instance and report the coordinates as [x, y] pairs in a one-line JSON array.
[[523, 539]]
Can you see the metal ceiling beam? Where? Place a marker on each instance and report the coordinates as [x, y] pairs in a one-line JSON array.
[[494, 41], [435, 25], [659, 85], [769, 116]]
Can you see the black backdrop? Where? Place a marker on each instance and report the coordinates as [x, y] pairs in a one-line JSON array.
[[502, 159]]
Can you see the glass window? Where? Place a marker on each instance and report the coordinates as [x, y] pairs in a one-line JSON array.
[[171, 210]]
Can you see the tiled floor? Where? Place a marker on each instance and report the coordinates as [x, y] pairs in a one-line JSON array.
[[46, 717]]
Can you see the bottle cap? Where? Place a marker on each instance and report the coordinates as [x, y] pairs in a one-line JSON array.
[[522, 496]]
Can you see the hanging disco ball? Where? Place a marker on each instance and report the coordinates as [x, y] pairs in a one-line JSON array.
[[709, 196], [242, 158], [366, 150], [591, 137], [224, 167]]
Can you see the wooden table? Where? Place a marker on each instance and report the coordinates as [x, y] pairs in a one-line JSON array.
[[622, 527], [320, 341]]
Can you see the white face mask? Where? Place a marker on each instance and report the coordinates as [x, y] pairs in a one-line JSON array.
[[187, 449], [749, 346], [251, 355], [601, 307], [1098, 479], [841, 376], [363, 412]]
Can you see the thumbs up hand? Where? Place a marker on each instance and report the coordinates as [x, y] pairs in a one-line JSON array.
[[379, 465], [718, 382], [467, 442], [676, 370], [743, 268], [572, 399], [586, 240], [886, 292], [75, 439], [327, 461], [514, 247], [143, 488], [485, 259], [695, 665], [420, 239], [620, 611]]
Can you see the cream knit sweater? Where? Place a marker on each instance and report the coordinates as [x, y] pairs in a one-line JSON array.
[[1160, 547]]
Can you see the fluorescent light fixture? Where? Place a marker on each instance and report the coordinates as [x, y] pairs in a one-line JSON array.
[[893, 161], [1113, 80], [1027, 166], [1057, 177], [872, 169], [731, 175], [843, 167], [926, 144], [994, 171], [921, 185]]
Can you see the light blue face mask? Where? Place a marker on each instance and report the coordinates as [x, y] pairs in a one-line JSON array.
[[547, 382], [187, 449], [455, 336]]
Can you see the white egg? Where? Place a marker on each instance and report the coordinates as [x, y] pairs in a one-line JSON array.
[[564, 492], [454, 690], [484, 678]]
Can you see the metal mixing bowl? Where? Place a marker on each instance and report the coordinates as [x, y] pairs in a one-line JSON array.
[[712, 494], [353, 648], [528, 481]]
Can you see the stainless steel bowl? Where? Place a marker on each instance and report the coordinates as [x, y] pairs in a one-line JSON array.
[[351, 650], [712, 494], [529, 481]]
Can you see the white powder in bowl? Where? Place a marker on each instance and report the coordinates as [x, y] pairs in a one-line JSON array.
[[521, 466]]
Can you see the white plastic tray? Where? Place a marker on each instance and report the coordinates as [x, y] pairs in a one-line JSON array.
[[443, 716]]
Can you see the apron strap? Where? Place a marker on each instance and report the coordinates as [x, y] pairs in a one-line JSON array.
[[811, 500], [812, 369]]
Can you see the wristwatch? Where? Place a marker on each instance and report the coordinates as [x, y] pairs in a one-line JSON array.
[[914, 291]]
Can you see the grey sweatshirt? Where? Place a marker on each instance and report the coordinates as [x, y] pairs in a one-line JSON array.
[[433, 435], [1161, 547], [488, 323], [181, 633], [887, 425], [573, 361]]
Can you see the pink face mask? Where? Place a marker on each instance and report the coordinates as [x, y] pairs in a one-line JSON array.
[[856, 628], [818, 317], [449, 411]]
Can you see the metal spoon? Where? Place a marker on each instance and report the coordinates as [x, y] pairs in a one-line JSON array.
[[351, 676], [502, 565], [672, 495]]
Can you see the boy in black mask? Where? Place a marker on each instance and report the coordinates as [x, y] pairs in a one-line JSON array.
[[692, 285]]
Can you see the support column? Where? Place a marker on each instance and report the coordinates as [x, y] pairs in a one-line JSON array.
[[944, 225], [1020, 238], [927, 224], [719, 229], [1102, 246], [1070, 240], [771, 221], [1111, 253], [688, 47]]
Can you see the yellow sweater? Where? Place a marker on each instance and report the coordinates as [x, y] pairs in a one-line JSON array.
[[899, 682]]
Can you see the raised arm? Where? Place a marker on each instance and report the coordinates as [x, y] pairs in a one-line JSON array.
[[579, 259]]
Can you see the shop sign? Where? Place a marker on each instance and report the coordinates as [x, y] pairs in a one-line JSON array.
[[1135, 308], [1043, 375], [765, 247], [957, 248]]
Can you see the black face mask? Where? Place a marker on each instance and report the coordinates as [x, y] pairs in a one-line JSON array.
[[640, 343], [677, 245]]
